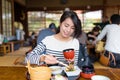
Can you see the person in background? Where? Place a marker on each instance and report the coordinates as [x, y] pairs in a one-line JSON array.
[[33, 39], [91, 36], [1, 38], [22, 35], [105, 21], [46, 32], [33, 35], [112, 44], [50, 49], [18, 33]]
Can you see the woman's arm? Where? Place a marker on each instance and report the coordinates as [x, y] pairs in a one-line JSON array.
[[36, 54]]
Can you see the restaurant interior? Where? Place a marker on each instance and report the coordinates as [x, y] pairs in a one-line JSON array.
[[35, 15]]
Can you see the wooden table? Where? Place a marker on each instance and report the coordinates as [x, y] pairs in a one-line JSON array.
[[12, 43], [112, 73]]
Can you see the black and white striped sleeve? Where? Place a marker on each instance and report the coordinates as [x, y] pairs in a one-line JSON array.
[[34, 55]]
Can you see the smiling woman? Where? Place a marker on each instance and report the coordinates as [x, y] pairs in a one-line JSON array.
[[69, 30]]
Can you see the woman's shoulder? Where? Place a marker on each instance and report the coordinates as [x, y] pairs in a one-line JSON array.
[[48, 38], [75, 41]]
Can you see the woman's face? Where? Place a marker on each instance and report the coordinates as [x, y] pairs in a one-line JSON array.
[[67, 28]]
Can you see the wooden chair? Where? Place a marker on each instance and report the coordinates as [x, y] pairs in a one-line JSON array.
[[4, 49]]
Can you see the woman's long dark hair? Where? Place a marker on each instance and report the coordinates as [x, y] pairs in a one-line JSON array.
[[76, 21]]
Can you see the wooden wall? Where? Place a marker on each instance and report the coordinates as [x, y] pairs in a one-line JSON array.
[[21, 7], [109, 7], [58, 5]]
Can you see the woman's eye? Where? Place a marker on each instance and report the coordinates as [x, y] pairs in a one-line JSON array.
[[73, 28], [66, 25]]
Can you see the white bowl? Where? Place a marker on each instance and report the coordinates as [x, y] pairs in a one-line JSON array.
[[76, 72], [59, 77], [56, 69], [99, 77]]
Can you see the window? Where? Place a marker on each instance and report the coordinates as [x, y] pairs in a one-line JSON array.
[[42, 19], [38, 20], [53, 16], [90, 18], [6, 18]]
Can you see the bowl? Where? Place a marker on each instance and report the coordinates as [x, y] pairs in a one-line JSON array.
[[99, 77], [59, 77], [56, 69], [76, 71], [87, 71], [87, 75]]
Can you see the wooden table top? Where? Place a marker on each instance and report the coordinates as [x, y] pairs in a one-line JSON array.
[[112, 73]]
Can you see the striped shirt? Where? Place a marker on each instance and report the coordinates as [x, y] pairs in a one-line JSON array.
[[50, 45]]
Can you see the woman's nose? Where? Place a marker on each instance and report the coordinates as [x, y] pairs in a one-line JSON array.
[[68, 29]]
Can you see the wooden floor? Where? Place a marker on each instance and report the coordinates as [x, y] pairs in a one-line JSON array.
[[9, 59]]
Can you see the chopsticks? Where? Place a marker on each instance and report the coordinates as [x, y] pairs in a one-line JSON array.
[[59, 62], [63, 64]]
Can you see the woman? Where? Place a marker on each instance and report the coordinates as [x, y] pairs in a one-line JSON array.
[[112, 32], [52, 46]]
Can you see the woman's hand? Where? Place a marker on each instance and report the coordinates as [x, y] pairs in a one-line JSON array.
[[50, 59]]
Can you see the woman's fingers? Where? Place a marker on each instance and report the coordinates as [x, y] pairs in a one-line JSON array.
[[50, 59]]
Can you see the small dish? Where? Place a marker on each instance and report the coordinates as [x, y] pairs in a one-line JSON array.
[[56, 69], [59, 77], [87, 75], [87, 71], [99, 77], [76, 72]]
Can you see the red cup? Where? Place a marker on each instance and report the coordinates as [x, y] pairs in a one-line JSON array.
[[69, 53]]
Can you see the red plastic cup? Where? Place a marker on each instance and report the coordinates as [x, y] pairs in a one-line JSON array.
[[69, 53]]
